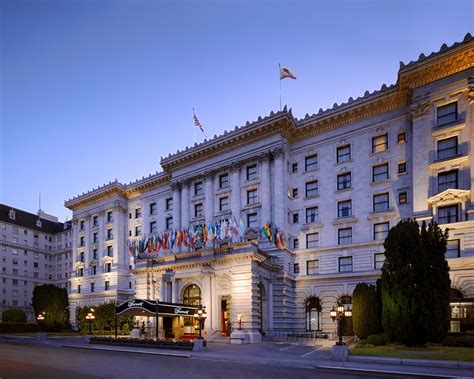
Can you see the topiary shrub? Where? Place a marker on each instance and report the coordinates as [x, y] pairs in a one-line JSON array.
[[374, 339], [14, 315]]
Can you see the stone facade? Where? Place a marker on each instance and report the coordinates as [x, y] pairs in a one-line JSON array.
[[334, 182]]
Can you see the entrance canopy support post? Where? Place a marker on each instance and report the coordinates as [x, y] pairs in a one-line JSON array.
[[156, 325], [115, 326]]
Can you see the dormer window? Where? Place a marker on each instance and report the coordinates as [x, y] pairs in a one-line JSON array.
[[11, 214], [38, 223]]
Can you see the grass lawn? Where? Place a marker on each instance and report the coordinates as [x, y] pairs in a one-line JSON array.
[[431, 352]]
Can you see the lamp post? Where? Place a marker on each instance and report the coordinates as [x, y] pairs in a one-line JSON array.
[[201, 316], [239, 320], [90, 316], [41, 316], [339, 314]]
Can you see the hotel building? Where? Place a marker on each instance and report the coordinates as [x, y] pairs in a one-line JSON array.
[[334, 182]]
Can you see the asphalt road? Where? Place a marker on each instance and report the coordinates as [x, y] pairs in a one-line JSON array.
[[27, 361]]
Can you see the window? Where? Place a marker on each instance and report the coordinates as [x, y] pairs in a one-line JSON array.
[[15, 230], [447, 113], [223, 204], [312, 188], [381, 202], [107, 285], [198, 189], [379, 143], [78, 288], [192, 295], [81, 271], [169, 203], [252, 173], [452, 249], [296, 268], [138, 212], [313, 314], [311, 162], [402, 167], [198, 210], [152, 208], [401, 138], [447, 148], [94, 270], [344, 236], [153, 227], [14, 251], [380, 172], [138, 231], [312, 267], [95, 221], [223, 180], [94, 254], [294, 167], [95, 238], [15, 261], [252, 221], [295, 193], [252, 197], [381, 231], [92, 287], [110, 235], [448, 214], [81, 226], [296, 217], [344, 208], [109, 216], [402, 198], [81, 257], [296, 243], [312, 240], [343, 153], [169, 223], [447, 180], [110, 251], [108, 267], [379, 260], [344, 181], [312, 214], [82, 241], [345, 264]]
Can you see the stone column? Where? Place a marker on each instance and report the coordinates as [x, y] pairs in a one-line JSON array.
[[279, 184], [176, 187], [209, 196], [185, 205], [265, 189], [235, 200]]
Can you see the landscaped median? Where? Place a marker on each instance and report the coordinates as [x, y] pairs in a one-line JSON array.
[[135, 342]]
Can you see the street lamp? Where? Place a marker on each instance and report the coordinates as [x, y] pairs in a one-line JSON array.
[[239, 320], [339, 314], [41, 316], [90, 316], [201, 316]]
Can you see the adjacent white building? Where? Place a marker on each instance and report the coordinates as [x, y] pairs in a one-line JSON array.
[[333, 182], [35, 249]]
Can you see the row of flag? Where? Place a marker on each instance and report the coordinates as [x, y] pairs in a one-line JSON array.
[[200, 235]]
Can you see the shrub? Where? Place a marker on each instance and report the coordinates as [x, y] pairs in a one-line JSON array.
[[14, 315], [374, 339], [18, 328], [460, 341]]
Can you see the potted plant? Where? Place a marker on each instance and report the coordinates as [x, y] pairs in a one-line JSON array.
[[188, 326]]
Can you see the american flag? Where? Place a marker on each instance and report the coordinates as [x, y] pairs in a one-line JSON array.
[[197, 123]]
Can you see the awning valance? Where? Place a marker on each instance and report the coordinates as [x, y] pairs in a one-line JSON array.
[[143, 307]]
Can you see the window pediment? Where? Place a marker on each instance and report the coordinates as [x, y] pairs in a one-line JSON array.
[[79, 265], [450, 196], [92, 262], [107, 259]]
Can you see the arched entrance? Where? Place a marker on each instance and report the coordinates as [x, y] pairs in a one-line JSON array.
[[313, 314], [262, 308]]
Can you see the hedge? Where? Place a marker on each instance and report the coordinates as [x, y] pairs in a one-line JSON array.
[[18, 328], [169, 344], [14, 315]]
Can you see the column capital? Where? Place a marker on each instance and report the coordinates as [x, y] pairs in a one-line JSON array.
[[234, 166], [278, 152], [175, 185], [208, 175], [186, 182], [264, 157], [470, 94]]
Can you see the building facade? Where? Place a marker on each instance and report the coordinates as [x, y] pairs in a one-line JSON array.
[[35, 249], [334, 183]]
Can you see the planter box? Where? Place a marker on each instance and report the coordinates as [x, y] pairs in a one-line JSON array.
[[189, 330]]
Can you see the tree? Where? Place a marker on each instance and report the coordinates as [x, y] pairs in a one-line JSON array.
[[14, 315], [53, 301], [104, 318], [365, 315], [415, 284]]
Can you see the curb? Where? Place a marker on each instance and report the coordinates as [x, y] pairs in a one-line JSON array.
[[148, 352], [379, 372], [412, 362]]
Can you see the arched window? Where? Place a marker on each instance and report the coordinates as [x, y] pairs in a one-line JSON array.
[[192, 295], [313, 314], [456, 294]]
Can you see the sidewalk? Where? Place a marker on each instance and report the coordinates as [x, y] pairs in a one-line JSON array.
[[278, 354]]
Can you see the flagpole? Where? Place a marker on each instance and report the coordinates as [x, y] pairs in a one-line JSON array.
[[194, 129], [279, 74]]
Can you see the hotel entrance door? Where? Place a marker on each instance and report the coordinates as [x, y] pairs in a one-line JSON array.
[[225, 317]]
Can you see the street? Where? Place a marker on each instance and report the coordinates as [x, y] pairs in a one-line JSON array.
[[40, 361]]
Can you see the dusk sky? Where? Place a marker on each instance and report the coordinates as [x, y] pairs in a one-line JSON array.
[[97, 90]]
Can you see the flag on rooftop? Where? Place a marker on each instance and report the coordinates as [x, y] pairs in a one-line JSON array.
[[285, 72], [196, 122]]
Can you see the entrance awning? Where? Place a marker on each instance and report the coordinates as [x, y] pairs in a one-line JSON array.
[[144, 307]]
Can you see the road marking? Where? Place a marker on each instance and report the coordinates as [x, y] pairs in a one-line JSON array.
[[286, 348], [311, 352]]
